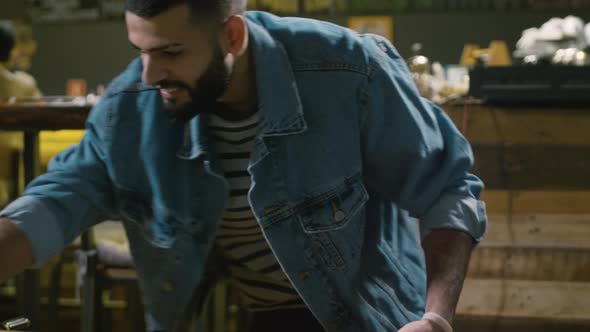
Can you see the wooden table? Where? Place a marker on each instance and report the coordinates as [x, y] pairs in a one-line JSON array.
[[31, 118]]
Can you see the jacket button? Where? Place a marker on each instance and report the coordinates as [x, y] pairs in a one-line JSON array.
[[168, 286], [303, 275], [339, 215]]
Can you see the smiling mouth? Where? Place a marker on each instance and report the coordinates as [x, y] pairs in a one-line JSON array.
[[170, 92]]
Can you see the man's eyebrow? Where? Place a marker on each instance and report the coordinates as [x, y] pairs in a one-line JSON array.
[[157, 48]]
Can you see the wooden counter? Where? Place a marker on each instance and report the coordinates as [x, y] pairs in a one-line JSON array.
[[534, 264]]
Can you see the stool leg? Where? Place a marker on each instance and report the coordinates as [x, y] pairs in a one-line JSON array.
[[135, 307], [92, 293], [107, 316], [53, 310]]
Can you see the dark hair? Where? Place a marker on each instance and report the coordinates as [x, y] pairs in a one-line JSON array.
[[7, 40], [215, 9]]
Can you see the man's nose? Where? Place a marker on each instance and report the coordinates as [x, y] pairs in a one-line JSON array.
[[153, 72]]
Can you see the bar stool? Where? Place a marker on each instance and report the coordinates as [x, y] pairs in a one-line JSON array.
[[100, 267]]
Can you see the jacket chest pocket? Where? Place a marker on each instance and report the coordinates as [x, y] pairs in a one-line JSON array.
[[334, 223], [333, 209]]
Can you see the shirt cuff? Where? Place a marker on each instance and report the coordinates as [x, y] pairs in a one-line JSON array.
[[34, 218], [456, 212]]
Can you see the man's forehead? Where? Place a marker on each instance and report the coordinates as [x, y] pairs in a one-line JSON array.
[[181, 10], [161, 30], [171, 19]]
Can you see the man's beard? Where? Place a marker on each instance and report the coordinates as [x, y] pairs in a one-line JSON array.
[[207, 89]]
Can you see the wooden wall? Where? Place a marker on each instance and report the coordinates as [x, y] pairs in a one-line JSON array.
[[532, 271]]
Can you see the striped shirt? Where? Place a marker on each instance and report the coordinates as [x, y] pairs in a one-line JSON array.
[[253, 268]]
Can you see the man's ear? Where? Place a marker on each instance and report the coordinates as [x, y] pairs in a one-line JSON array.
[[235, 35]]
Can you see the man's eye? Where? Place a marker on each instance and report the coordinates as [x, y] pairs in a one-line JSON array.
[[170, 54]]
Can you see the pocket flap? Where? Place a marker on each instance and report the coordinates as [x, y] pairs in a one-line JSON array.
[[333, 209]]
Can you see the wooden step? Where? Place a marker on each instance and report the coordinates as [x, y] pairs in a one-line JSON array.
[[556, 301], [549, 264], [538, 230], [510, 202]]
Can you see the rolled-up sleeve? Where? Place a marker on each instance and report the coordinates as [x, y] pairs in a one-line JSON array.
[[40, 226], [457, 212], [414, 155]]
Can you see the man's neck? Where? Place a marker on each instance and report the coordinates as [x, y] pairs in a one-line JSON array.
[[241, 97]]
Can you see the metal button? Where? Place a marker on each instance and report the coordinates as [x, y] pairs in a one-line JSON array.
[[339, 215]]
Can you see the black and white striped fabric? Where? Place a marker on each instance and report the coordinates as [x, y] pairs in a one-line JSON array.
[[254, 269]]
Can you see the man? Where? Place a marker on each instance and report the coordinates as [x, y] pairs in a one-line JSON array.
[[297, 147], [17, 83]]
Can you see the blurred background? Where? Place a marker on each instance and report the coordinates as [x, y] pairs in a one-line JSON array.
[[69, 39]]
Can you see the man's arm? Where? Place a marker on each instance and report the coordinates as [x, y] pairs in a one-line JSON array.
[[57, 206], [16, 252], [419, 160], [447, 257]]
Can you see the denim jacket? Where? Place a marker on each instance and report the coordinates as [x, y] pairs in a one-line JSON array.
[[347, 158]]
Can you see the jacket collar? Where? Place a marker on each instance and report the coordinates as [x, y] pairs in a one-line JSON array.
[[278, 95]]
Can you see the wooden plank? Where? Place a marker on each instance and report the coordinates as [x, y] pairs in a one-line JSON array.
[[43, 117], [527, 167], [538, 230], [530, 263], [534, 247], [563, 301], [495, 125], [537, 202], [500, 324]]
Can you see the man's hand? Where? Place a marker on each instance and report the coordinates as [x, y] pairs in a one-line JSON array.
[[16, 252], [421, 326]]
